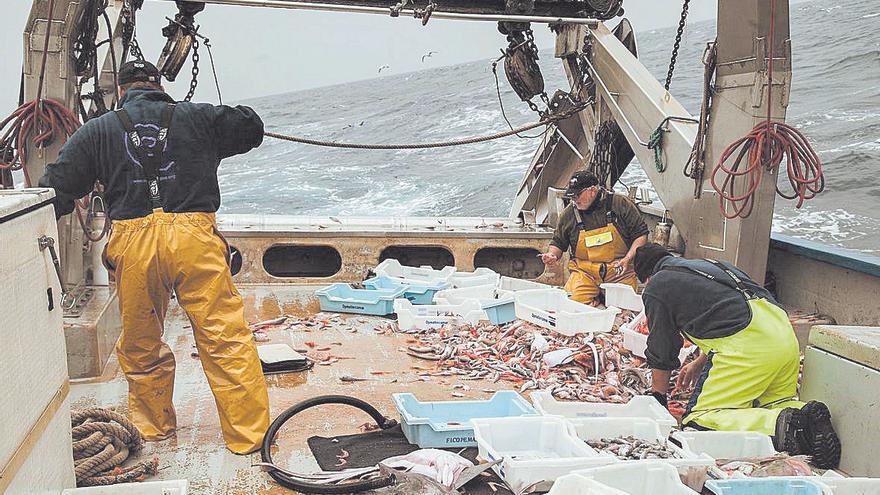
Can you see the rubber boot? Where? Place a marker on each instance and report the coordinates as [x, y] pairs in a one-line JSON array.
[[788, 426], [817, 436]]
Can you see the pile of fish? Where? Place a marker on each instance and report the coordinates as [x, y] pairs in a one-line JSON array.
[[761, 467], [631, 448], [585, 367], [593, 368]]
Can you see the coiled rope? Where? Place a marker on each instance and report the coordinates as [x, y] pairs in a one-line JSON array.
[[764, 148], [102, 441]]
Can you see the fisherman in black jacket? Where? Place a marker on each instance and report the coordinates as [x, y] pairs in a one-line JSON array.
[[158, 161], [745, 378]]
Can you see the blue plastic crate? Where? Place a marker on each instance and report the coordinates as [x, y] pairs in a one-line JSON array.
[[758, 486], [343, 299], [448, 423], [500, 311], [415, 293]]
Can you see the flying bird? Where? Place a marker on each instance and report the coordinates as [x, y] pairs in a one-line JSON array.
[[428, 55], [383, 68]]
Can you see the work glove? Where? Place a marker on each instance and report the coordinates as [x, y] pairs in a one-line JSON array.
[[661, 398]]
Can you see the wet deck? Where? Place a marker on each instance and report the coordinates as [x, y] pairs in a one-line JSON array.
[[197, 453]]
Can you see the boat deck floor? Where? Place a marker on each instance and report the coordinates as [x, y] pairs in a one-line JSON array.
[[197, 452]]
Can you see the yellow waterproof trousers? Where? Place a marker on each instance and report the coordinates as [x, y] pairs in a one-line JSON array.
[[596, 248], [151, 256], [749, 377]]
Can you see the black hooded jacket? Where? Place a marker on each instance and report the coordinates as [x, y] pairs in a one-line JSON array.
[[200, 135]]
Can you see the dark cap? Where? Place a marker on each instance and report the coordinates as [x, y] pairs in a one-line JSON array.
[[646, 260], [138, 71], [581, 180]]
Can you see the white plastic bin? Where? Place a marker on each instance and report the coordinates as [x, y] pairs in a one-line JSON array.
[[622, 296], [392, 269], [518, 284], [497, 303], [534, 450], [640, 406], [849, 486], [171, 487], [575, 484], [637, 343], [642, 428], [726, 444], [640, 478], [552, 309], [480, 276], [426, 317]]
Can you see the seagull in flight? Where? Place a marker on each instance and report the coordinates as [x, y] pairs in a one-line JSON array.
[[428, 55], [383, 68]]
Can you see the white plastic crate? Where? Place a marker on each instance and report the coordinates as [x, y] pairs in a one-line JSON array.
[[642, 428], [480, 276], [575, 484], [392, 269], [849, 486], [637, 343], [518, 284], [622, 296], [552, 309], [640, 478], [171, 487], [426, 317], [640, 406], [726, 444], [534, 450], [497, 303]]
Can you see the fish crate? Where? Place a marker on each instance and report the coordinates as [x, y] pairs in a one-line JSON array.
[[726, 444], [849, 486], [766, 486], [170, 487], [640, 478], [444, 424], [410, 316], [640, 406], [534, 451], [342, 298], [392, 269], [417, 293], [552, 309], [591, 429], [622, 296], [575, 484], [480, 276], [518, 284], [637, 342], [498, 304]]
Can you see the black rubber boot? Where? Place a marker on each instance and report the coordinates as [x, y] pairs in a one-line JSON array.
[[788, 425], [817, 436]]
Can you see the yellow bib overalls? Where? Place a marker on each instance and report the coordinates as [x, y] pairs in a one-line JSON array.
[[591, 265]]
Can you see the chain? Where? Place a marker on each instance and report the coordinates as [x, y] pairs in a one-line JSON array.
[[684, 14], [129, 40], [195, 70]]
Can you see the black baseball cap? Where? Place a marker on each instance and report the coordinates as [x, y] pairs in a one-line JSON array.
[[138, 71], [581, 180]]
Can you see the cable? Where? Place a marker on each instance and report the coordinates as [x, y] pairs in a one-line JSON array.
[[441, 144], [764, 147], [301, 485]]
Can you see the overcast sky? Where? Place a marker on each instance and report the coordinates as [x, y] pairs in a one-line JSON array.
[[261, 51]]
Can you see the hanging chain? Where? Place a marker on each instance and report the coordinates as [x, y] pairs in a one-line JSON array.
[[129, 39], [681, 22], [195, 70]]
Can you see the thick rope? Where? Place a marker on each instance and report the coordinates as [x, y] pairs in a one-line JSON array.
[[441, 144], [102, 441]]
